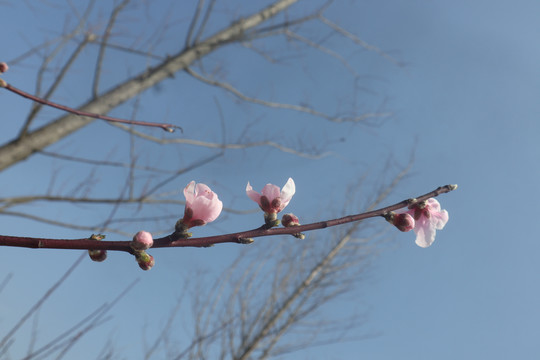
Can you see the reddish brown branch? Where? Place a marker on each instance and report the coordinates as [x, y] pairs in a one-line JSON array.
[[166, 127], [174, 240]]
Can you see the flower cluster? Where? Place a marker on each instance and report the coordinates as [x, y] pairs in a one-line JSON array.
[[425, 218], [203, 205]]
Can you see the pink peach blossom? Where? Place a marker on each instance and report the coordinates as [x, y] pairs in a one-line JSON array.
[[428, 218], [202, 205], [271, 199]]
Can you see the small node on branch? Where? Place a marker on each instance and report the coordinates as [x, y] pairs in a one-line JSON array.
[[91, 36], [171, 128], [270, 220], [245, 241], [181, 231], [97, 255], [411, 202]]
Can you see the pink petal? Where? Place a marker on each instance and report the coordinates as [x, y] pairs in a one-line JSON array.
[[439, 219], [253, 195], [425, 237], [203, 190], [287, 192], [425, 232], [203, 202], [189, 192], [206, 209], [271, 192], [433, 204]]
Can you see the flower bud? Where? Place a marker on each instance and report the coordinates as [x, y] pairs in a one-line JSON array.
[[3, 67], [142, 240], [202, 205], [145, 261], [404, 222], [289, 220], [97, 255]]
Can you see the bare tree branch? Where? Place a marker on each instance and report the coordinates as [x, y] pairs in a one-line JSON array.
[[358, 40], [299, 108], [102, 47], [16, 151]]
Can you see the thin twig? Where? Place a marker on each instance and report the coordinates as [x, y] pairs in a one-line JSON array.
[[102, 47], [204, 21], [37, 107], [166, 127], [193, 23], [212, 145], [357, 40], [338, 119]]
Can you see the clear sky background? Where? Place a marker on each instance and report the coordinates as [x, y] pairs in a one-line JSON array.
[[466, 104]]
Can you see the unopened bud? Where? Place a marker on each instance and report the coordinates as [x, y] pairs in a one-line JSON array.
[[404, 222], [97, 255], [145, 261], [142, 240], [289, 220], [3, 67]]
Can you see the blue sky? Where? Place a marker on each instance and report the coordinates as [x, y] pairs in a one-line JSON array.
[[466, 104]]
